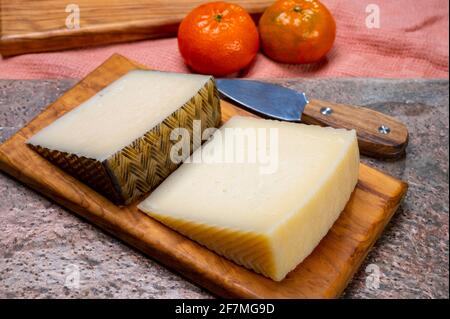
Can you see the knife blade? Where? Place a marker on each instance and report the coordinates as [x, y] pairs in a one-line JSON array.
[[379, 135]]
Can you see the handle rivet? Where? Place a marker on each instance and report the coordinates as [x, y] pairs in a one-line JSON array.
[[326, 110], [383, 129]]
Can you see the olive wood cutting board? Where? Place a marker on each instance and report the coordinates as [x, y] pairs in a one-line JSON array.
[[48, 25], [324, 274]]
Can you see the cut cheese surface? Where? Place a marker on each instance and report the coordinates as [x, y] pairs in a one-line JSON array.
[[119, 141], [120, 113], [267, 220]]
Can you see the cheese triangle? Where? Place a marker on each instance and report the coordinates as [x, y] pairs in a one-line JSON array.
[[118, 141], [266, 217]]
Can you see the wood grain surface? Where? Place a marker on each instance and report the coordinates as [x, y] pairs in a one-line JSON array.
[[36, 26], [324, 274], [388, 144]]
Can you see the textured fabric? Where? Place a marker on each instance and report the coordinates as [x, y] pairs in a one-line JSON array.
[[412, 41]]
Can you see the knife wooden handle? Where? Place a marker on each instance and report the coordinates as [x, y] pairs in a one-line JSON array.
[[379, 135]]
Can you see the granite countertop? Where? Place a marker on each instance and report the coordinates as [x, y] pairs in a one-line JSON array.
[[47, 252]]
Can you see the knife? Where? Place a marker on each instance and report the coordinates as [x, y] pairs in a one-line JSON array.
[[379, 135]]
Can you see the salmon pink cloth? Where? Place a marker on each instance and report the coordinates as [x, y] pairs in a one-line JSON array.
[[411, 40]]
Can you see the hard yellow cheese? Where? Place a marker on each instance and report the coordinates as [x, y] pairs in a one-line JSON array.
[[266, 221], [118, 141]]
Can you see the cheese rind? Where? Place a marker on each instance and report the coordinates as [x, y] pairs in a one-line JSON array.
[[265, 222], [118, 141], [120, 113]]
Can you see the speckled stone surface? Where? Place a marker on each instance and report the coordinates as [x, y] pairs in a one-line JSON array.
[[46, 252]]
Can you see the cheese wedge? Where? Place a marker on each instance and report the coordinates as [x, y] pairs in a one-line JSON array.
[[268, 220], [118, 141]]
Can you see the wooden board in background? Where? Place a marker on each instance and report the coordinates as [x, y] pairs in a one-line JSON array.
[[324, 274], [36, 26]]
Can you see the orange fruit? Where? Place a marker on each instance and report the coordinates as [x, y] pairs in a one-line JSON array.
[[297, 31], [218, 38]]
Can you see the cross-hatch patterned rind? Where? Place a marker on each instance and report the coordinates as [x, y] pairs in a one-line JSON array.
[[142, 165]]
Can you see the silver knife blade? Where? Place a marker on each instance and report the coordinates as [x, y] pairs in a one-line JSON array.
[[266, 99]]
